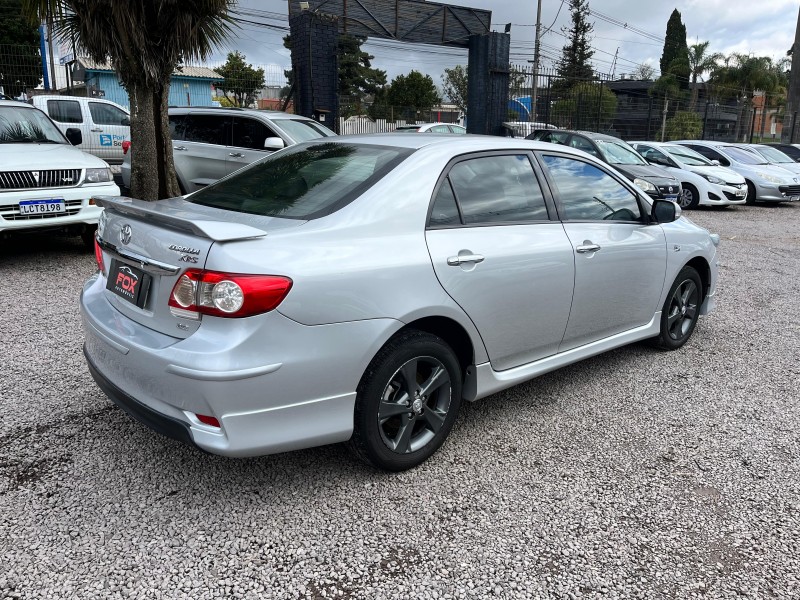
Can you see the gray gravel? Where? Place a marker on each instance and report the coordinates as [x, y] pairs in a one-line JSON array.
[[634, 474]]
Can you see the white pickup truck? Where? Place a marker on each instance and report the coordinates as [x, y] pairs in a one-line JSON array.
[[104, 125]]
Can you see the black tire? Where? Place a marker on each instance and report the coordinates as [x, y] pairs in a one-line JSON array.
[[690, 198], [87, 235], [680, 311], [751, 194], [398, 423]]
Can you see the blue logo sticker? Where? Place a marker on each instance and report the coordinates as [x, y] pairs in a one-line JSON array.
[[106, 140]]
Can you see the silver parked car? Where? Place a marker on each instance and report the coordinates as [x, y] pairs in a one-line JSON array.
[[209, 143], [774, 156], [359, 288], [765, 182]]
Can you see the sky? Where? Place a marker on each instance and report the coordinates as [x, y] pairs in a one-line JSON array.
[[762, 28]]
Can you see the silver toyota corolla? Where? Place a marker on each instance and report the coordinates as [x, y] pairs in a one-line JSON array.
[[360, 288]]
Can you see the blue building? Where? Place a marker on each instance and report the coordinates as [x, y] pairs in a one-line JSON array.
[[190, 86]]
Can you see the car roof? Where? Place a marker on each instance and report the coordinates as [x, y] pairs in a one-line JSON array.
[[18, 103], [270, 114]]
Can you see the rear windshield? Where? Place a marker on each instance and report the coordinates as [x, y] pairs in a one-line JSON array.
[[303, 182]]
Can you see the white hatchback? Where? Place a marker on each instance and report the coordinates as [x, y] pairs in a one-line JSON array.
[[45, 183], [702, 182]]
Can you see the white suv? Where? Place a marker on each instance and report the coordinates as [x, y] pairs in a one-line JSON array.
[[45, 183], [209, 143]]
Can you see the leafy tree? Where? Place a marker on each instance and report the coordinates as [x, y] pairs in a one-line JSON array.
[[241, 79], [574, 65], [357, 78], [20, 61], [454, 85], [675, 57], [412, 94], [685, 125], [643, 72], [586, 105], [145, 41], [700, 61]]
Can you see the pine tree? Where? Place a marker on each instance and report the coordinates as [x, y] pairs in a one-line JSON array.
[[675, 57], [574, 65]]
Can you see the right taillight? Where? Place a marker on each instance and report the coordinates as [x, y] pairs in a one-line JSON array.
[[228, 295], [98, 256], [126, 145]]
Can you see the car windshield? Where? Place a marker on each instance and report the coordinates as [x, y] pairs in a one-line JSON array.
[[22, 125], [688, 156], [743, 156], [774, 155], [617, 153], [407, 129], [303, 182], [301, 130]]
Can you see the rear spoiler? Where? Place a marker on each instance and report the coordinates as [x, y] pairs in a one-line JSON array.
[[170, 213]]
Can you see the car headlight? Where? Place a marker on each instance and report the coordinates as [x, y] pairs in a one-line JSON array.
[[712, 179], [98, 175], [771, 178], [644, 185]]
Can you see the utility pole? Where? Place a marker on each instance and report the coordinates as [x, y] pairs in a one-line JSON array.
[[793, 101], [664, 119], [535, 93], [53, 84]]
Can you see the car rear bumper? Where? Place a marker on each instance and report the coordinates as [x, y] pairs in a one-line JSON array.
[[273, 384]]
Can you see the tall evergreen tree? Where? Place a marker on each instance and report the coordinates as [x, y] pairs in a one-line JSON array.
[[574, 65], [675, 57], [20, 62]]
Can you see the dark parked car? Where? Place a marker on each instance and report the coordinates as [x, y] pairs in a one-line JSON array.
[[655, 181], [793, 150]]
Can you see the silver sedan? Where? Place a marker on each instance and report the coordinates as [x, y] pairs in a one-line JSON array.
[[361, 288]]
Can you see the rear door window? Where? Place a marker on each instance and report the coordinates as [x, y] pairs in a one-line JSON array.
[[208, 129], [65, 111], [176, 126], [498, 189]]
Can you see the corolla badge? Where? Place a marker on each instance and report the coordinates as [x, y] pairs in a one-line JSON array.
[[125, 234]]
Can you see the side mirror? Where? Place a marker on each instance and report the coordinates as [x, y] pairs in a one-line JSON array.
[[715, 162], [74, 136], [125, 121], [665, 211], [274, 143]]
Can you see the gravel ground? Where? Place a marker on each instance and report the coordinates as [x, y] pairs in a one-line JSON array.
[[636, 474]]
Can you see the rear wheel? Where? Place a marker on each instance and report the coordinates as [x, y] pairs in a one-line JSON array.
[[680, 311], [407, 401], [751, 193], [689, 198]]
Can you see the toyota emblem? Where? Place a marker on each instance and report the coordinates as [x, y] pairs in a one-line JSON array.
[[125, 234]]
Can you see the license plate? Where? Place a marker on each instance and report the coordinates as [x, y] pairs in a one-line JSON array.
[[673, 198], [794, 199], [128, 282], [740, 193], [41, 207]]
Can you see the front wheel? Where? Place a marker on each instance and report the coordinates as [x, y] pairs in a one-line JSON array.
[[681, 310], [751, 193], [406, 402], [690, 197]]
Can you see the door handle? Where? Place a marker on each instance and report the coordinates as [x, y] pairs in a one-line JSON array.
[[179, 147], [454, 261], [236, 154], [586, 247], [96, 129]]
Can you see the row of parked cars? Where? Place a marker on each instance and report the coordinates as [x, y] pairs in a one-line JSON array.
[[693, 172], [269, 310]]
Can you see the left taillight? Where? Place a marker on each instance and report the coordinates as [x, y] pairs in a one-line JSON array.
[[228, 295], [98, 256]]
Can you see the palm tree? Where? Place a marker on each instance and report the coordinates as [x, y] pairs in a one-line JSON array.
[[741, 75], [700, 62], [145, 41]]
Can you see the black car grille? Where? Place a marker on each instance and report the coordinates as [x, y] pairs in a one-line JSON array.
[[731, 196], [665, 190], [11, 213], [24, 180], [790, 190]]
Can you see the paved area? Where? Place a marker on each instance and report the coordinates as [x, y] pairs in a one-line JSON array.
[[636, 474]]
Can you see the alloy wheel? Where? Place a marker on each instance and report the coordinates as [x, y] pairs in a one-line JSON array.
[[682, 309], [687, 197]]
